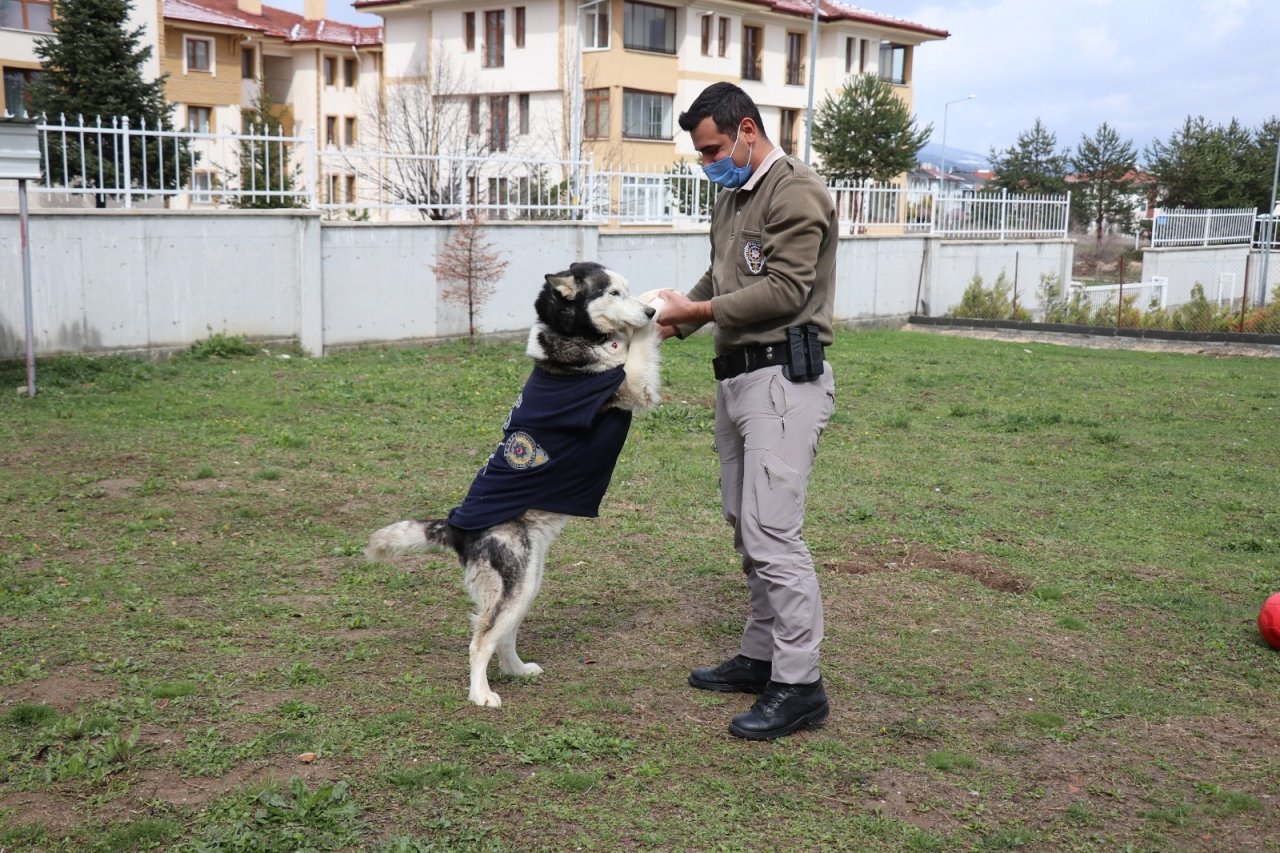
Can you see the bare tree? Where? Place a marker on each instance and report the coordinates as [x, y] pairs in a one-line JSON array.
[[470, 267], [427, 128]]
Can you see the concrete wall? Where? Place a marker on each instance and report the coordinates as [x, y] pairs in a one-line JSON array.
[[156, 281]]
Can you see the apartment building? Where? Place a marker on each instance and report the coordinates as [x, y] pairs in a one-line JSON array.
[[222, 55], [24, 21], [608, 78]]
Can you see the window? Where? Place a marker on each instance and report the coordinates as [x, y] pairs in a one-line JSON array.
[[248, 63], [595, 114], [331, 131], [519, 26], [473, 110], [498, 105], [595, 26], [494, 36], [469, 31], [708, 21], [864, 50], [17, 95], [787, 136], [199, 119], [349, 130], [752, 45], [850, 51], [643, 199], [646, 115], [350, 72], [724, 37], [199, 54], [350, 181], [795, 59], [330, 71], [523, 107], [30, 15], [893, 62], [646, 27], [201, 187]]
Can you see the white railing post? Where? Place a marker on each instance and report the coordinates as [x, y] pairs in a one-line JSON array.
[[127, 165]]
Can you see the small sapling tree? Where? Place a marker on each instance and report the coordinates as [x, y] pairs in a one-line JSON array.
[[469, 268]]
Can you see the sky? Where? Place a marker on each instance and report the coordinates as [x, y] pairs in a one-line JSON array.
[[1141, 66]]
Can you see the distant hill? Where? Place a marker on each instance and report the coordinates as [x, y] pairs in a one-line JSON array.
[[956, 157]]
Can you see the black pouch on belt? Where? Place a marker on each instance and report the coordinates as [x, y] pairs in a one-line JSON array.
[[805, 353]]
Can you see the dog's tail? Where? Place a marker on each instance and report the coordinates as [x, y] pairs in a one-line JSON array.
[[407, 537]]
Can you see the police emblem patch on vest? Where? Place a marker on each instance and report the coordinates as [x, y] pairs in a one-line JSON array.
[[521, 451], [753, 253]]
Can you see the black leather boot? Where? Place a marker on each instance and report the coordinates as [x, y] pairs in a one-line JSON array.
[[739, 674], [781, 710]]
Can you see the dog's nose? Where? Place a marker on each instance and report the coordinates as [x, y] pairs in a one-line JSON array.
[[649, 311]]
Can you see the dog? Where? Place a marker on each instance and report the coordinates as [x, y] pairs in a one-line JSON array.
[[595, 362]]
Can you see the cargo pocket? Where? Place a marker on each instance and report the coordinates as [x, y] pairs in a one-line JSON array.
[[779, 495]]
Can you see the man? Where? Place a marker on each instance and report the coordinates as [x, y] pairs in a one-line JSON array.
[[769, 293]]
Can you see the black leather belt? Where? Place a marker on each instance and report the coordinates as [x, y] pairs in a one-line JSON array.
[[746, 359]]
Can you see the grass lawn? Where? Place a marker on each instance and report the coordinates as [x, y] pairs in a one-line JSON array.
[[1041, 568]]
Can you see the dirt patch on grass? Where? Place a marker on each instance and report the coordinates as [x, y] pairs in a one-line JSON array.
[[64, 689], [897, 557], [120, 487]]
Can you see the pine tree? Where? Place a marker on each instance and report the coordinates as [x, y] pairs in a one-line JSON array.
[[866, 133], [93, 68], [1203, 165], [1104, 168], [471, 268], [266, 166], [1032, 165]]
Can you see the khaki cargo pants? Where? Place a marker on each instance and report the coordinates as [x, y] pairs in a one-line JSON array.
[[766, 432]]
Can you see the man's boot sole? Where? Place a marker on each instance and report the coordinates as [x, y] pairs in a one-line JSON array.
[[811, 720], [722, 687]]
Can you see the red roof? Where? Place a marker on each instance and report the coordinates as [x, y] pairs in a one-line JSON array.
[[272, 22], [827, 11], [831, 11]]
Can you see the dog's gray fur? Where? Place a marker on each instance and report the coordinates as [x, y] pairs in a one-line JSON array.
[[587, 323]]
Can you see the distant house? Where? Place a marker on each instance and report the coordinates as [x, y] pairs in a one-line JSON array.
[[222, 55], [1142, 199], [928, 177]]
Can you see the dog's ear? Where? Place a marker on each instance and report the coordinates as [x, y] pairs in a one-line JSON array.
[[564, 283]]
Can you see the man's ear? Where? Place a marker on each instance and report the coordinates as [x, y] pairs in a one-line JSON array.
[[750, 130]]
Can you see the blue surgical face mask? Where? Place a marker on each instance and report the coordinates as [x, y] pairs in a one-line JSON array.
[[724, 172]]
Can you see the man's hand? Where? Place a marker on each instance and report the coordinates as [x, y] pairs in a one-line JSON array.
[[678, 310]]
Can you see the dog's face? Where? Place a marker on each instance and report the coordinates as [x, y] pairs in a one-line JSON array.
[[588, 300]]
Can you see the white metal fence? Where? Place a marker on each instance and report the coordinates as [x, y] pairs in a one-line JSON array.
[[1177, 227], [114, 164]]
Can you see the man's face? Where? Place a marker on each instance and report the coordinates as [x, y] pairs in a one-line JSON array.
[[712, 145]]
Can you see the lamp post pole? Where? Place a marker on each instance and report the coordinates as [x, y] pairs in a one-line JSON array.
[[945, 108], [813, 73], [1269, 233]]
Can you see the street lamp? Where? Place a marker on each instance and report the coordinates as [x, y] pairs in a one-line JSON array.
[[946, 107]]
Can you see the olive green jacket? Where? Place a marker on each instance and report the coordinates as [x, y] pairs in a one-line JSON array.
[[773, 259]]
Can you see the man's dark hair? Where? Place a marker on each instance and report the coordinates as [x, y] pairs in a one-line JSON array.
[[727, 105]]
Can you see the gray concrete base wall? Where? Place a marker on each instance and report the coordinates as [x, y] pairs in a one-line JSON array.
[[157, 281]]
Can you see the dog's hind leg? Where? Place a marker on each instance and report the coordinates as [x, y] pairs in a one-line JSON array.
[[508, 661], [486, 587]]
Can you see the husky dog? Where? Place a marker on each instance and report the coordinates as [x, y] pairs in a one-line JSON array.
[[595, 361]]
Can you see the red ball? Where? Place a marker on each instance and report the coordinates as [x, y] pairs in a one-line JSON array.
[[1269, 621]]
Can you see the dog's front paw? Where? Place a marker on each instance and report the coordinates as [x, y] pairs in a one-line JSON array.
[[524, 670], [485, 698]]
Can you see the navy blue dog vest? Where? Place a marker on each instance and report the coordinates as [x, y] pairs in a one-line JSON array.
[[557, 453]]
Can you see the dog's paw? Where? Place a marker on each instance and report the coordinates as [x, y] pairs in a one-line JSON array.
[[485, 699], [524, 670], [654, 299]]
